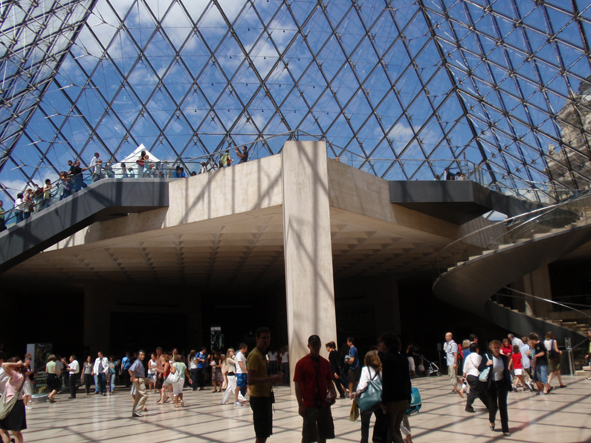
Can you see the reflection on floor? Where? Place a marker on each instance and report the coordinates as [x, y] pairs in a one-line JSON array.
[[563, 416]]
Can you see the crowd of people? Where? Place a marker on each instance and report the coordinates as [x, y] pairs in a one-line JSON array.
[[246, 378], [36, 198], [506, 366]]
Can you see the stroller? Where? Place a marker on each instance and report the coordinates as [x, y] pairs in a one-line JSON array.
[[428, 367]]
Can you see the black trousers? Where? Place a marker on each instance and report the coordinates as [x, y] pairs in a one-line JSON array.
[[340, 384], [88, 380], [477, 390], [73, 378], [200, 377], [194, 378], [498, 393], [380, 428]]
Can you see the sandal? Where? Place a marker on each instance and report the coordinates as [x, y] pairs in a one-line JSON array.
[[182, 404]]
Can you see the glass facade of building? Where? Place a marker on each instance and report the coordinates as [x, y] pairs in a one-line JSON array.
[[494, 89]]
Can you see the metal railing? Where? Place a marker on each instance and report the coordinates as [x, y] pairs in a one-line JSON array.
[[515, 229], [576, 352]]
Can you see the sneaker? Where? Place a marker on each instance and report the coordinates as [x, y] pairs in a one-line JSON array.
[[137, 414], [28, 407], [237, 404], [470, 410]]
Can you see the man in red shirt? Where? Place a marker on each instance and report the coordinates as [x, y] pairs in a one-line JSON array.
[[315, 393]]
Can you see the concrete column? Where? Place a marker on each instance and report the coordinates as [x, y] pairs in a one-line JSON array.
[[538, 283], [308, 250]]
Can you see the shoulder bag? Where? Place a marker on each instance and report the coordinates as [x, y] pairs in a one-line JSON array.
[[552, 354], [415, 401], [484, 374], [173, 377], [6, 406], [372, 396]]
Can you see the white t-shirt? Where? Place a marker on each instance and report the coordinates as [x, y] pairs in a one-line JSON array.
[[240, 358], [192, 364], [272, 356], [498, 368], [472, 363], [74, 365], [548, 344]]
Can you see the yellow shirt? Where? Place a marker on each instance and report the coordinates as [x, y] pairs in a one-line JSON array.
[[257, 362]]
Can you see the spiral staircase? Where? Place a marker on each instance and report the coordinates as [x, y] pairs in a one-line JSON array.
[[479, 265]]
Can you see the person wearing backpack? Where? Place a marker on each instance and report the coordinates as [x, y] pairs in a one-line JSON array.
[[553, 358], [371, 373], [450, 347]]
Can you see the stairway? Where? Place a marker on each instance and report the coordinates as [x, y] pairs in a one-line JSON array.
[[510, 254]]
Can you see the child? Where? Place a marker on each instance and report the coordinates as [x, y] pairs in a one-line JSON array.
[[517, 365]]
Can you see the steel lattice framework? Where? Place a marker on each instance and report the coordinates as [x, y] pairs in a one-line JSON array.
[[499, 83]]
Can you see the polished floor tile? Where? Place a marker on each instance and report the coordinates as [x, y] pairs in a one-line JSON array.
[[563, 416]]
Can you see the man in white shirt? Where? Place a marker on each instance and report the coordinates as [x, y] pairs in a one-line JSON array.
[[74, 370], [241, 374], [451, 357], [525, 351], [515, 341], [99, 371], [93, 162]]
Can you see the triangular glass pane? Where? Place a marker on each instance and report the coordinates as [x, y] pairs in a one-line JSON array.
[[177, 81], [177, 25], [160, 107]]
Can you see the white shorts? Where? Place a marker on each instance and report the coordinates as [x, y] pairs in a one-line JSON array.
[[177, 388], [518, 371]]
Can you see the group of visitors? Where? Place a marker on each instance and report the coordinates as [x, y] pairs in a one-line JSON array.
[[491, 374], [37, 198], [245, 376]]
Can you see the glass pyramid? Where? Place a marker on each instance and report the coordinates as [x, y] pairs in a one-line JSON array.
[[399, 89]]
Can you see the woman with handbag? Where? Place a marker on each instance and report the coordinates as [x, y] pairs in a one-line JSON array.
[[178, 371], [15, 420], [553, 358], [231, 366], [498, 381], [370, 386]]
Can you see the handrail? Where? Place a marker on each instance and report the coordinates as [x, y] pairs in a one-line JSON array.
[[535, 297], [524, 295], [531, 217]]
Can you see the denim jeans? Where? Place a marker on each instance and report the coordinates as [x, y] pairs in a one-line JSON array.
[[97, 386], [103, 382], [112, 382]]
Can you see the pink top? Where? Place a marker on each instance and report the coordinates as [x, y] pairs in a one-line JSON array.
[[13, 384]]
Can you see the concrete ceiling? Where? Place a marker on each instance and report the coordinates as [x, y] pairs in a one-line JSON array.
[[238, 252]]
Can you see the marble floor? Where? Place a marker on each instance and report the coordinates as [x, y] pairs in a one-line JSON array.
[[563, 416]]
